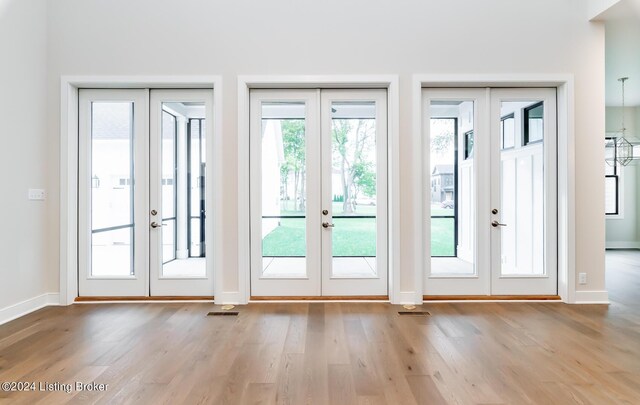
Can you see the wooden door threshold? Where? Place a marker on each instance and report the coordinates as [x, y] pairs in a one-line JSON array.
[[492, 298], [158, 298], [322, 298]]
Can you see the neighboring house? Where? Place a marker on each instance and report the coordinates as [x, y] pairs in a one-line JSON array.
[[442, 185]]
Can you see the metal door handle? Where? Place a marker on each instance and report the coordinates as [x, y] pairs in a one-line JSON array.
[[157, 225], [327, 225], [496, 224]]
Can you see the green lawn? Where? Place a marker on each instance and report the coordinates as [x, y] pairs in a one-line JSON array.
[[352, 236]]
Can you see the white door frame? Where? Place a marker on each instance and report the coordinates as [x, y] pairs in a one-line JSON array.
[[546, 283], [138, 284], [370, 286], [245, 83], [478, 283], [69, 86], [564, 83], [201, 286], [310, 285]]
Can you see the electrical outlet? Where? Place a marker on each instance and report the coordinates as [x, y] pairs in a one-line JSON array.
[[582, 278], [36, 194]]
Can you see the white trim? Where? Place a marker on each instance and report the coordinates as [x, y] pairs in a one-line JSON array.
[[566, 158], [230, 297], [592, 297], [69, 86], [622, 245], [409, 297], [145, 302], [25, 307], [391, 83]]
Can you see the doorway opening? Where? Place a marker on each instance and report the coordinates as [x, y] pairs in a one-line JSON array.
[[318, 193]]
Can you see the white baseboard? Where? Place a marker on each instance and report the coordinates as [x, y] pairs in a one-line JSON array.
[[592, 297], [622, 245], [408, 298], [233, 298], [27, 306]]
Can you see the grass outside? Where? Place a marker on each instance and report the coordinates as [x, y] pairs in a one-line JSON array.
[[352, 236]]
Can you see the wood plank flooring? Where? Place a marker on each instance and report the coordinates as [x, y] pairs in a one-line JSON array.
[[335, 353]]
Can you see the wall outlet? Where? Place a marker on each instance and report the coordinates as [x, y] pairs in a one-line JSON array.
[[36, 194], [582, 278]]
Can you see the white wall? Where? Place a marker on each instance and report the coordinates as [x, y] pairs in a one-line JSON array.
[[151, 37], [28, 241]]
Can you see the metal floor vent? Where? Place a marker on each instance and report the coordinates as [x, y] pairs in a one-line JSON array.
[[414, 313], [225, 313]]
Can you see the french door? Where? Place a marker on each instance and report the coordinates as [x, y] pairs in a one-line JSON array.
[[318, 164], [143, 192], [491, 191]]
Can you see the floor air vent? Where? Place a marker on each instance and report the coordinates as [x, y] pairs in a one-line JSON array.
[[226, 313], [414, 313]]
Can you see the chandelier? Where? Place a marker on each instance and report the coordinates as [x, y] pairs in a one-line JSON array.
[[619, 149]]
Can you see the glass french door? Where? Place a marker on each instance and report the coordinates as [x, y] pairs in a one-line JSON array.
[[318, 162], [142, 193], [490, 195], [178, 193]]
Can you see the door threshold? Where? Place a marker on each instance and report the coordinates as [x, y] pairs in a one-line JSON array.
[[134, 298], [492, 298], [384, 298]]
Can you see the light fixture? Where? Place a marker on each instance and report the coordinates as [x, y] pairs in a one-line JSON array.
[[619, 149]]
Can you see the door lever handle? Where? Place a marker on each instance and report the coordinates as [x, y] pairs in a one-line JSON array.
[[157, 225], [496, 224], [327, 225]]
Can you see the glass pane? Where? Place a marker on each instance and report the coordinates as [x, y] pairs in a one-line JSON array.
[[611, 195], [183, 190], [354, 189], [522, 198], [112, 253], [610, 156], [169, 183], [508, 131], [196, 194], [451, 188], [284, 190], [112, 188], [534, 122], [168, 240]]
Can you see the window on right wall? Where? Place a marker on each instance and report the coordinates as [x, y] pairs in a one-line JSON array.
[[612, 184]]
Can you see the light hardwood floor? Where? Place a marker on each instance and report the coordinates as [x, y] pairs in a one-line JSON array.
[[336, 353]]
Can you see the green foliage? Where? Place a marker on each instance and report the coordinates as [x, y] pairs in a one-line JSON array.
[[293, 141], [364, 178], [442, 134], [353, 142]]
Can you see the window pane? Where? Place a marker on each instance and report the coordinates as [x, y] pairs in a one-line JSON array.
[[112, 188], [451, 189], [284, 189], [610, 156], [611, 195], [183, 189], [112, 253], [354, 188], [534, 122], [169, 183], [196, 187], [508, 129]]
